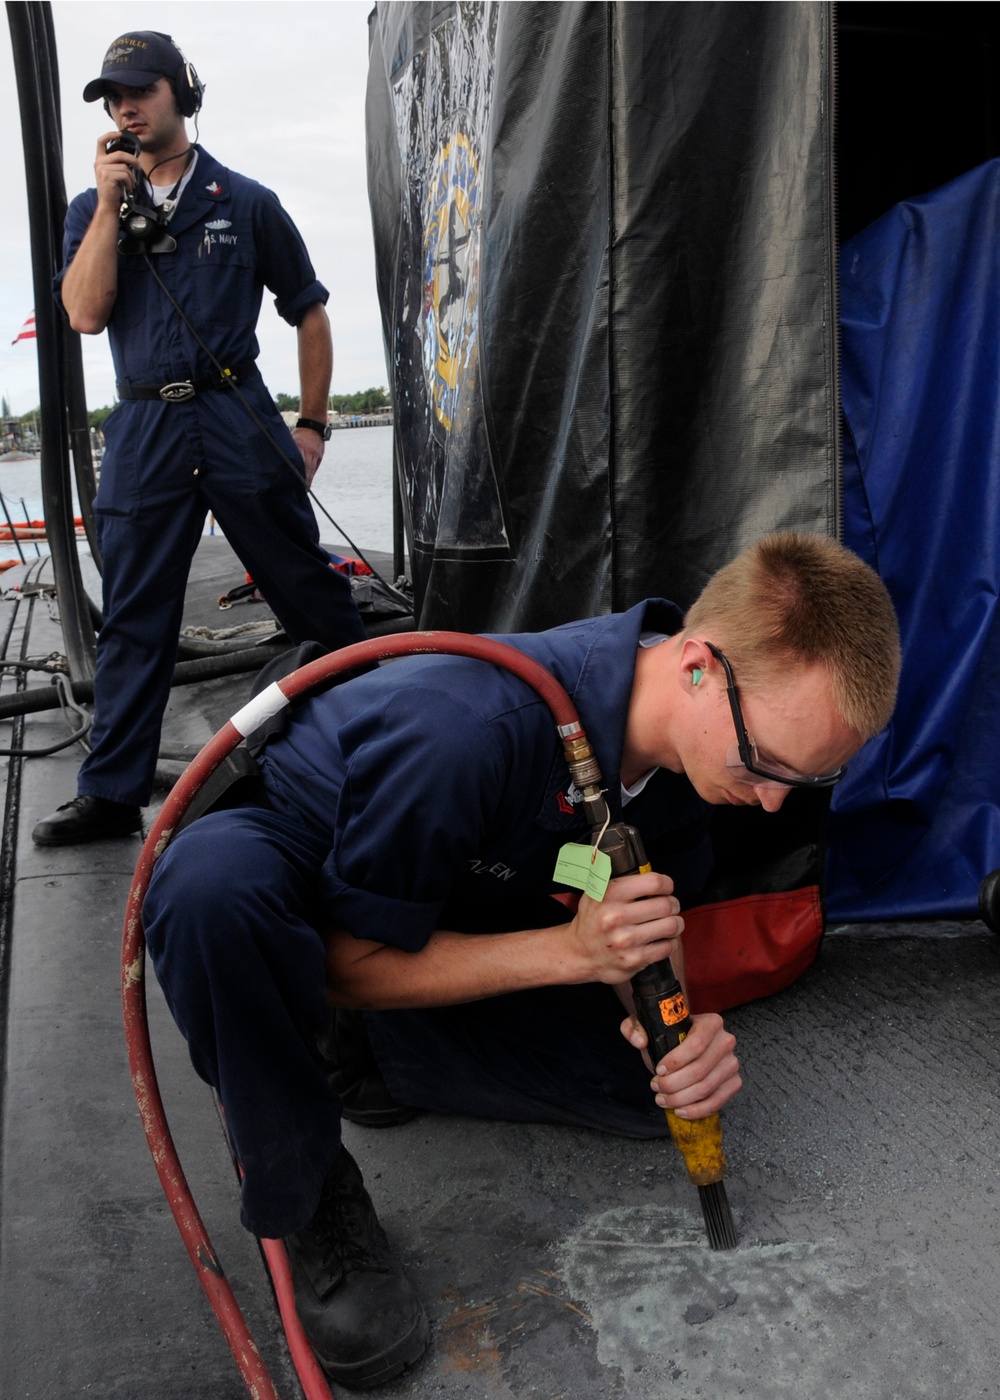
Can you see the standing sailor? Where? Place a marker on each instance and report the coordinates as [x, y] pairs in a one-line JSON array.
[[179, 292]]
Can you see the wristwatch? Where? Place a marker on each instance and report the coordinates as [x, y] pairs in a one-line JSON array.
[[324, 429]]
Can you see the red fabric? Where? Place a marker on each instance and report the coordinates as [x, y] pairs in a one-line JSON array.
[[354, 568], [746, 948]]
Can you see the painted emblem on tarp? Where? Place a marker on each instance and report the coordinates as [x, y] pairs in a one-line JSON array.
[[450, 322]]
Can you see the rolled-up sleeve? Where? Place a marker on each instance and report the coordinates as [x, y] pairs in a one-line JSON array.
[[284, 261]]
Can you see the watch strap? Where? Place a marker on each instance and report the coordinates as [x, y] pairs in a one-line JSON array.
[[324, 429]]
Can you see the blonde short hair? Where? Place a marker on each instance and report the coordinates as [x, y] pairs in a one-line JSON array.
[[794, 598]]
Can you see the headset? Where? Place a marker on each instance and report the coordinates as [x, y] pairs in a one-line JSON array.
[[188, 87]]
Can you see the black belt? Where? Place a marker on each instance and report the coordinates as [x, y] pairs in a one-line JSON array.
[[180, 390]]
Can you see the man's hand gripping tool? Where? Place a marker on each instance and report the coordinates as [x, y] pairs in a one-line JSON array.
[[662, 1011]]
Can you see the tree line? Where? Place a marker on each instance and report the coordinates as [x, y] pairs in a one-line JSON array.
[[364, 401]]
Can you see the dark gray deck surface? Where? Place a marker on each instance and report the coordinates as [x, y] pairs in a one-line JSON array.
[[553, 1262]]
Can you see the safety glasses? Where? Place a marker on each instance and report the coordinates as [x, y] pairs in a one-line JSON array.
[[743, 753]]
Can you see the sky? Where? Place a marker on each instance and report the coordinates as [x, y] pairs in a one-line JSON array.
[[284, 104]]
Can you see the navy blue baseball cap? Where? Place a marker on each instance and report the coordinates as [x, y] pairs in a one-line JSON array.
[[136, 60]]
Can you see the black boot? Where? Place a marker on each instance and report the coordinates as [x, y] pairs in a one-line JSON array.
[[86, 819], [353, 1072], [359, 1310]]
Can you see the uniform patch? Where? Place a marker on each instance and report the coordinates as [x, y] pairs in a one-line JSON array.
[[214, 188], [569, 799], [219, 223]]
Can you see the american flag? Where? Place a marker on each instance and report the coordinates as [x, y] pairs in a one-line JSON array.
[[27, 331]]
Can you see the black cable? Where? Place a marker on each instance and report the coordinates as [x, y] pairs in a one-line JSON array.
[[61, 682], [13, 530], [166, 161], [229, 382], [66, 703], [227, 663]]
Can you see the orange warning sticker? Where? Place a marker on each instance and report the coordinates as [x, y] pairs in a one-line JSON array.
[[673, 1009]]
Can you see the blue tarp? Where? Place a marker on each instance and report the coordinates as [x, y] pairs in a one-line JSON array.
[[916, 822]]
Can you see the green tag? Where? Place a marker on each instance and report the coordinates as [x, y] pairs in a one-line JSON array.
[[585, 868]]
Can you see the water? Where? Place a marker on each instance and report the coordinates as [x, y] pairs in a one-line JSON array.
[[354, 484]]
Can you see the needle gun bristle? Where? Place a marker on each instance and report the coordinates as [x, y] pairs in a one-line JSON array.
[[718, 1217]]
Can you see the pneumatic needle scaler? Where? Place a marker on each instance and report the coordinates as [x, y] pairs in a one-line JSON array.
[[661, 1009]]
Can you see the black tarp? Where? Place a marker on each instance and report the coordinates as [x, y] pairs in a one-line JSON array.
[[605, 257], [605, 254]]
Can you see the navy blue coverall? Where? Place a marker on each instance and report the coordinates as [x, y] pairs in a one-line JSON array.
[[167, 464], [429, 793]]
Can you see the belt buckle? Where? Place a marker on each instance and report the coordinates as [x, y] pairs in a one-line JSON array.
[[178, 392]]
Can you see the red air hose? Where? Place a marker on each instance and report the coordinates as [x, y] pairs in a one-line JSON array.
[[154, 1121]]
